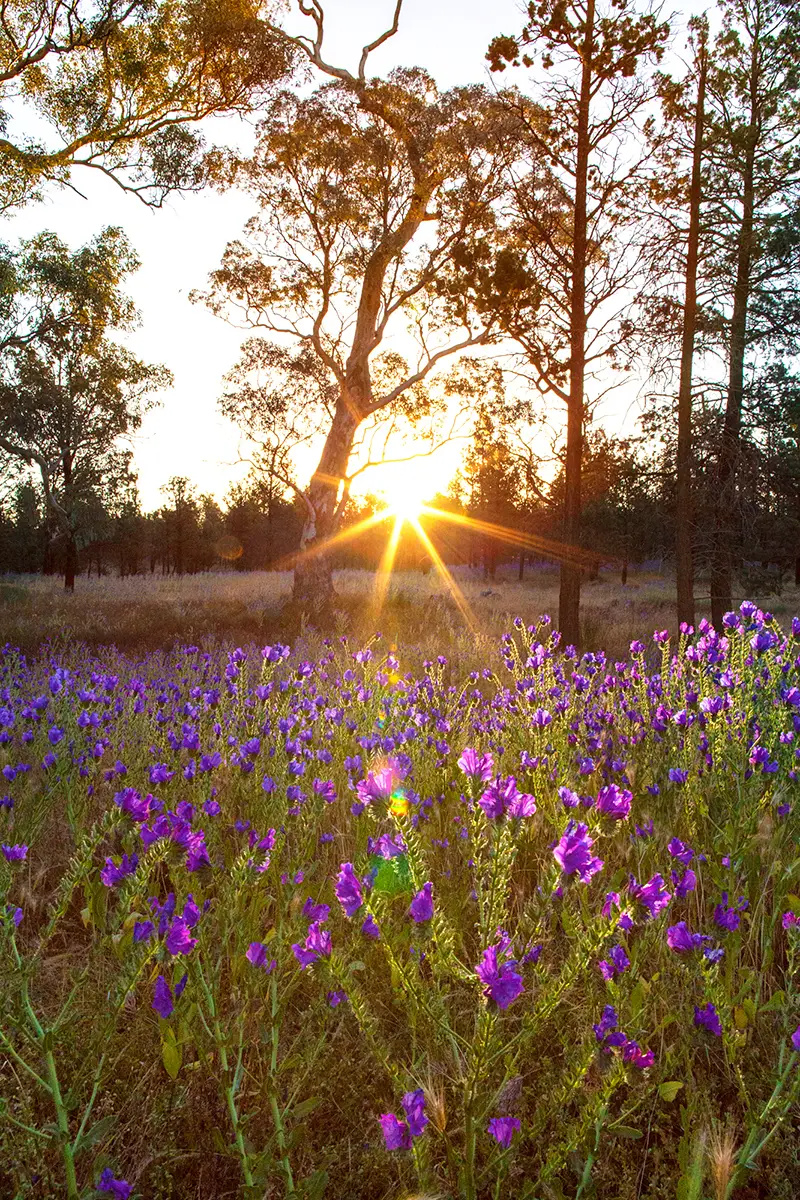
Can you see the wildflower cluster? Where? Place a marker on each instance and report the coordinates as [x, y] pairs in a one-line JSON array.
[[386, 922]]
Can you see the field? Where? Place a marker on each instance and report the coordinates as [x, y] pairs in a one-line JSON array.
[[443, 912], [419, 613]]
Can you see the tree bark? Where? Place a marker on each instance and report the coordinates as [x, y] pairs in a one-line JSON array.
[[725, 504], [70, 564], [313, 593], [684, 566], [569, 599]]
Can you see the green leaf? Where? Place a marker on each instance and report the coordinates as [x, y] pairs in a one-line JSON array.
[[775, 1002], [393, 875], [313, 1187], [96, 1134], [637, 1000], [625, 1131], [305, 1107], [171, 1054], [669, 1090]]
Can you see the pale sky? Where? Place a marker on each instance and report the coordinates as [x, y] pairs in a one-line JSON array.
[[182, 242]]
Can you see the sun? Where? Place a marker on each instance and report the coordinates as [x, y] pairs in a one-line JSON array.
[[405, 497]]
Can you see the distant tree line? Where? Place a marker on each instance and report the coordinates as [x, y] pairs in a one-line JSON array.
[[190, 532]]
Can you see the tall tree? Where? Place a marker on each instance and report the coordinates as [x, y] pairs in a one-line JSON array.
[[573, 215], [371, 193], [754, 180], [684, 562], [70, 397], [114, 85]]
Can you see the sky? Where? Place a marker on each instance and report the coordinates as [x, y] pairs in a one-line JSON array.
[[180, 243]]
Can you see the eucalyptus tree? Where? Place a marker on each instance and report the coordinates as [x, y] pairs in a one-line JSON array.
[[373, 196], [576, 207], [71, 396], [115, 85]]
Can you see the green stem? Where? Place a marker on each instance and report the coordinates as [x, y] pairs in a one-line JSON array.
[[67, 1149], [230, 1085], [273, 1099]]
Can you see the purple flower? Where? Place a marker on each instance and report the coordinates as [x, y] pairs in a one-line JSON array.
[[120, 1189], [421, 907], [684, 884], [477, 766], [378, 785], [143, 930], [317, 945], [316, 912], [498, 796], [633, 1054], [160, 773], [790, 920], [162, 998], [653, 894], [796, 1039], [112, 874], [607, 1023], [348, 890], [573, 853], [14, 853], [681, 851], [335, 998], [521, 805], [256, 953], [387, 846], [728, 918], [501, 982], [396, 1134], [708, 1018], [179, 939], [678, 775], [681, 939], [614, 802], [502, 1129], [616, 963], [369, 927], [414, 1108]]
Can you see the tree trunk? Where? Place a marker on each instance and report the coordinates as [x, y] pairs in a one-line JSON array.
[[684, 567], [569, 599], [313, 592], [70, 564], [725, 501]]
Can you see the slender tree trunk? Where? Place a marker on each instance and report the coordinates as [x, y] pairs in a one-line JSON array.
[[70, 563], [684, 567], [725, 501], [313, 591], [569, 599]]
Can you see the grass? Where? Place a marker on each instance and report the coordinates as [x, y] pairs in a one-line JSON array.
[[152, 612]]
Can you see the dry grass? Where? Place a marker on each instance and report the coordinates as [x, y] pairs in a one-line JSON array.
[[419, 613]]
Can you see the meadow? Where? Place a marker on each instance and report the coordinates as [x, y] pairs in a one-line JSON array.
[[418, 611], [414, 915]]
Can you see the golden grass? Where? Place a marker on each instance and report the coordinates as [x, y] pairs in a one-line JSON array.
[[418, 612]]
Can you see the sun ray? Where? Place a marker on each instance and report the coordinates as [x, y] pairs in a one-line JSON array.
[[290, 561], [561, 551], [450, 583], [384, 573]]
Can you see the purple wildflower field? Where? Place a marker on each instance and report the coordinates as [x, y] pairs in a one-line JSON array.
[[295, 921]]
